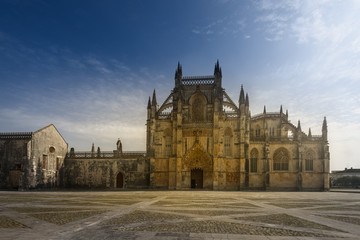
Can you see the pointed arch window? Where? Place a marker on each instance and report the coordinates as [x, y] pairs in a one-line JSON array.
[[254, 156], [281, 160], [167, 143], [198, 108], [257, 131], [227, 142], [309, 161]]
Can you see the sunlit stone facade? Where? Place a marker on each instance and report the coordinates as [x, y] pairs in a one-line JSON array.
[[200, 138]]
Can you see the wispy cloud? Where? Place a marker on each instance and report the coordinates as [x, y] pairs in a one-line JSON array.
[[88, 99], [308, 21], [231, 24]]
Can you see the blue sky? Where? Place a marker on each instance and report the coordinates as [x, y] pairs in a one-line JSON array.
[[89, 66]]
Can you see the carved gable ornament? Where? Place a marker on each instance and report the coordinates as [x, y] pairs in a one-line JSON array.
[[197, 157]]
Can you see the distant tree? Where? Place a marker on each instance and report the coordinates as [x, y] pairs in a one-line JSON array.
[[347, 181], [98, 153]]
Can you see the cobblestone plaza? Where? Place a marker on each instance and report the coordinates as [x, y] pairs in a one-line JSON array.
[[179, 215]]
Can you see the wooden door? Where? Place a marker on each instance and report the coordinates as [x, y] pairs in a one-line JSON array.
[[196, 178]]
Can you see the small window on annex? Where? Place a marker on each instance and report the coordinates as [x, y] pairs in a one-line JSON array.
[[254, 156], [57, 163], [281, 160], [44, 162], [51, 149]]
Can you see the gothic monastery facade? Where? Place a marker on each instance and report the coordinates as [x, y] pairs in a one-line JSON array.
[[200, 138]]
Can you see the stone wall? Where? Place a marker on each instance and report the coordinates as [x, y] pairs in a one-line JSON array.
[[104, 173], [13, 158]]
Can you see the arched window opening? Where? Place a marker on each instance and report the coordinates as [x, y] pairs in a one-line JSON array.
[[257, 131], [272, 132], [290, 134], [227, 142], [198, 108], [281, 160], [254, 155], [168, 145], [309, 161], [167, 142]]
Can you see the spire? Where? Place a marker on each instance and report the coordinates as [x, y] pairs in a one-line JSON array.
[[309, 135], [324, 130], [178, 72], [247, 100], [93, 148], [324, 126], [264, 109], [217, 69], [287, 113], [299, 126], [154, 103], [281, 109], [242, 96], [149, 103]]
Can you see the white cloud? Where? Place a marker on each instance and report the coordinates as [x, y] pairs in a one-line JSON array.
[[309, 21]]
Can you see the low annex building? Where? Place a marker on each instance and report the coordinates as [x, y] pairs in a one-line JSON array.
[[199, 138], [31, 159]]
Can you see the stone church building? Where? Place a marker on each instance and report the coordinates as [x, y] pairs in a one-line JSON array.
[[31, 160], [197, 138], [200, 138]]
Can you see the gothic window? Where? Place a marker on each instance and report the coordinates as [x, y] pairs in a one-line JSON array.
[[227, 142], [257, 131], [186, 145], [272, 131], [227, 145], [168, 145], [309, 161], [198, 108], [281, 160], [254, 156], [290, 134]]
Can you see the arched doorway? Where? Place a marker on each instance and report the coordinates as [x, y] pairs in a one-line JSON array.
[[196, 178], [119, 180]]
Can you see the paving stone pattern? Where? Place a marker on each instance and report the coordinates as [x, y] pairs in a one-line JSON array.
[[6, 222], [179, 215]]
